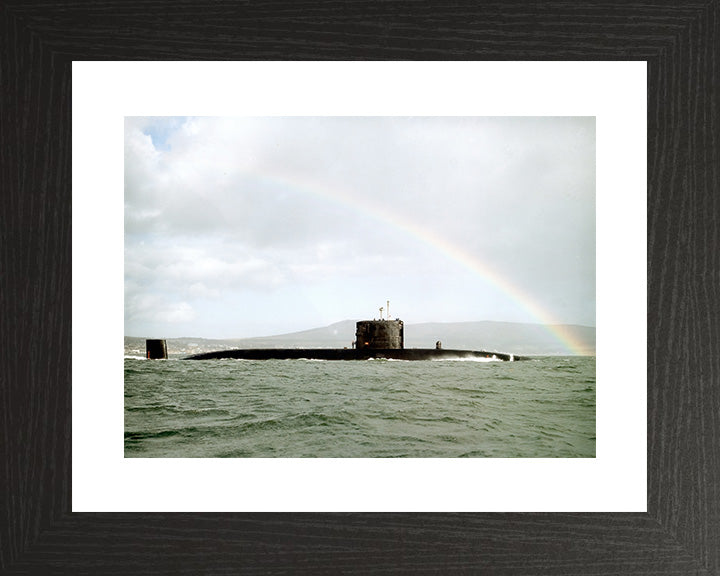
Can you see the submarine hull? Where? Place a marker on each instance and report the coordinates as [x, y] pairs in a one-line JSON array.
[[351, 354]]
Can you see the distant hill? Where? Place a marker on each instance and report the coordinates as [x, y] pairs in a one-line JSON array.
[[509, 337]]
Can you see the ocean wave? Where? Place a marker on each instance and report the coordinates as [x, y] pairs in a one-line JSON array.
[[352, 410]]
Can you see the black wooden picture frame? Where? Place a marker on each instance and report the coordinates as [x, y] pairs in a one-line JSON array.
[[680, 533]]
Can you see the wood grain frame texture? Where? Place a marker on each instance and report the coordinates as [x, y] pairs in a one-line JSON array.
[[680, 533]]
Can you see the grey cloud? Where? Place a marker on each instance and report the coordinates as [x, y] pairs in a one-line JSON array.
[[225, 205]]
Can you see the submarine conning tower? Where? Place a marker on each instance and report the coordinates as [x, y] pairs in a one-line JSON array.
[[156, 349], [380, 334]]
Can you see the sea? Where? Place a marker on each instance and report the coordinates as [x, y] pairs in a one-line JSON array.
[[542, 407]]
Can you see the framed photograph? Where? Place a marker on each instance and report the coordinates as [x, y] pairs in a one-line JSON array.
[[281, 229], [244, 201], [652, 505]]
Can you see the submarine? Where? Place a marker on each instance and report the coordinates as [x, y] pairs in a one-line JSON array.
[[374, 339]]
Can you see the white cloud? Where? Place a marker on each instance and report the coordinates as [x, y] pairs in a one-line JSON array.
[[217, 207], [156, 309], [199, 290]]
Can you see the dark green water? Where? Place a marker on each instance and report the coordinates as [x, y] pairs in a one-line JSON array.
[[541, 408]]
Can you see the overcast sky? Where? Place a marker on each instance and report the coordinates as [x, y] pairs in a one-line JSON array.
[[238, 227]]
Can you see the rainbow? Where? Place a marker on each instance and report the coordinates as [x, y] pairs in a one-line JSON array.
[[450, 250]]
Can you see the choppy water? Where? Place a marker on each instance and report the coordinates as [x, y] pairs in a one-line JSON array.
[[543, 407]]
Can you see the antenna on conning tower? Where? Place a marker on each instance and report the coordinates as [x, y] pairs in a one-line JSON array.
[[388, 309]]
